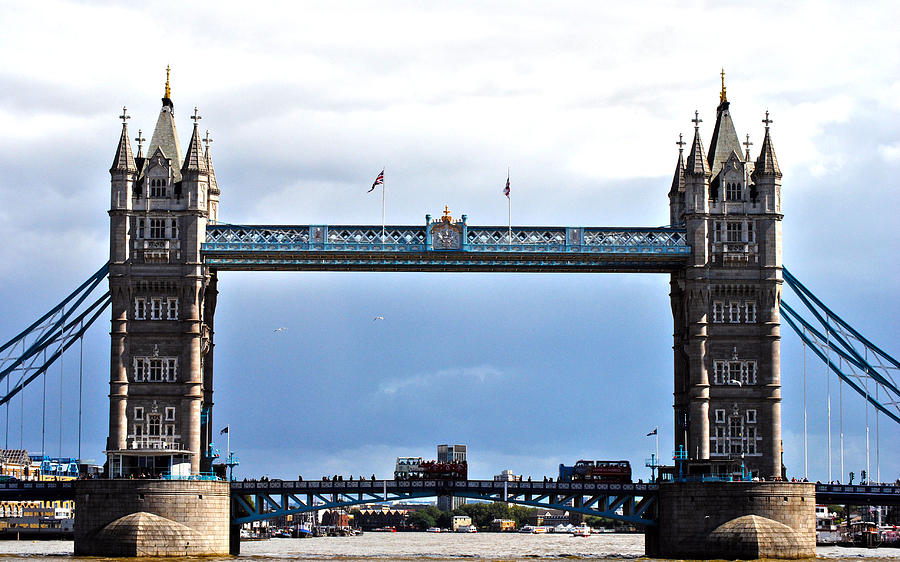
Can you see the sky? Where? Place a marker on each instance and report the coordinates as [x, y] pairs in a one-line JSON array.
[[582, 101]]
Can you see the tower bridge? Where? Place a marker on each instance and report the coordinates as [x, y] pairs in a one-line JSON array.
[[722, 251]]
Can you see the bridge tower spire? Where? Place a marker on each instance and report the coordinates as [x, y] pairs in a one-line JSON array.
[[163, 301], [725, 302]]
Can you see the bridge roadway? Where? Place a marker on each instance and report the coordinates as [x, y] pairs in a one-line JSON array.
[[444, 247], [254, 500]]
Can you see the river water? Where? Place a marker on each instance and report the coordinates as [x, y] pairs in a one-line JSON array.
[[507, 547]]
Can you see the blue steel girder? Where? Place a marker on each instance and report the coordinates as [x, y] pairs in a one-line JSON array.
[[254, 501], [410, 248]]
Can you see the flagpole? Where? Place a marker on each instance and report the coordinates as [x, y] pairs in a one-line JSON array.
[[228, 452], [508, 208], [657, 453], [383, 186]]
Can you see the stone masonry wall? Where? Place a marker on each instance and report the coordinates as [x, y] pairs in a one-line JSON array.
[[201, 505], [689, 512]]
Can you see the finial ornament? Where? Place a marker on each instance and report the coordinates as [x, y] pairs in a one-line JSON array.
[[722, 97], [207, 140], [168, 91], [747, 144], [680, 144], [696, 120], [196, 116], [767, 121], [124, 117], [140, 140]]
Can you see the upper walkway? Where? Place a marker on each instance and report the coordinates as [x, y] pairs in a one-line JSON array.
[[444, 246]]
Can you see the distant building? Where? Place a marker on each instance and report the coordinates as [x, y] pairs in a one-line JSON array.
[[460, 521], [450, 453], [368, 519], [503, 525], [507, 476]]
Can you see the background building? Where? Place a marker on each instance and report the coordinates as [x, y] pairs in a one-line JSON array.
[[450, 453]]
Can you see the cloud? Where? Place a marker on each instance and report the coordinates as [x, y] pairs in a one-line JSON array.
[[442, 378]]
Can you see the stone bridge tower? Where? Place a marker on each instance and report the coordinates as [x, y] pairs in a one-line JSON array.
[[163, 300], [725, 301]]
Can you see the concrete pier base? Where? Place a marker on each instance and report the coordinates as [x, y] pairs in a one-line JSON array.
[[734, 520], [151, 518]]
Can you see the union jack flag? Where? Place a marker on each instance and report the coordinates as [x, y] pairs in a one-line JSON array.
[[506, 189], [378, 181]]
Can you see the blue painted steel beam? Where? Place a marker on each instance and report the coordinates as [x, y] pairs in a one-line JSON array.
[[356, 247], [276, 499]]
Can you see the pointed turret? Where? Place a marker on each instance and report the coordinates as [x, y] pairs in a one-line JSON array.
[[676, 193], [696, 160], [213, 184], [194, 160], [767, 164], [123, 160], [678, 178], [165, 136]]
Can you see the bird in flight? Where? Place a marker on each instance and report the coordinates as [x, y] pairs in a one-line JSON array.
[[282, 329], [379, 317]]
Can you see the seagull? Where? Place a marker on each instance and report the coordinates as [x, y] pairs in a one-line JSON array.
[[737, 382], [282, 329], [379, 317]]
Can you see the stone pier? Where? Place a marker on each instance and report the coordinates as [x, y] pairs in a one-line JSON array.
[[734, 520], [119, 518]]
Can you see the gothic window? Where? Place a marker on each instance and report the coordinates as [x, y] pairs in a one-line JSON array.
[[155, 369], [173, 229], [735, 231], [170, 430], [170, 414], [748, 372], [751, 416], [733, 192], [751, 237], [720, 416], [750, 447], [157, 187], [720, 372], [719, 440], [138, 430], [138, 414], [140, 308], [172, 308], [735, 434], [718, 311], [750, 312], [157, 228], [734, 370], [717, 231], [734, 312], [156, 308], [140, 228], [154, 425]]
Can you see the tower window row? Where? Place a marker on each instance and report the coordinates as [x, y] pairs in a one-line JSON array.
[[733, 372], [733, 231], [734, 312], [734, 434], [157, 228], [158, 187], [734, 191], [155, 369], [156, 308]]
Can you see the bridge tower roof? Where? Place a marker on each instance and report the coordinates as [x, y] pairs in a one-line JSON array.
[[724, 139], [123, 161], [165, 135], [195, 160]]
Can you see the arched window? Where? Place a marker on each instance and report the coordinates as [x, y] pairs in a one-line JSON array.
[[733, 192]]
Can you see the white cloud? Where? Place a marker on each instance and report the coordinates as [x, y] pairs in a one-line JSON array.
[[890, 152], [444, 377]]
